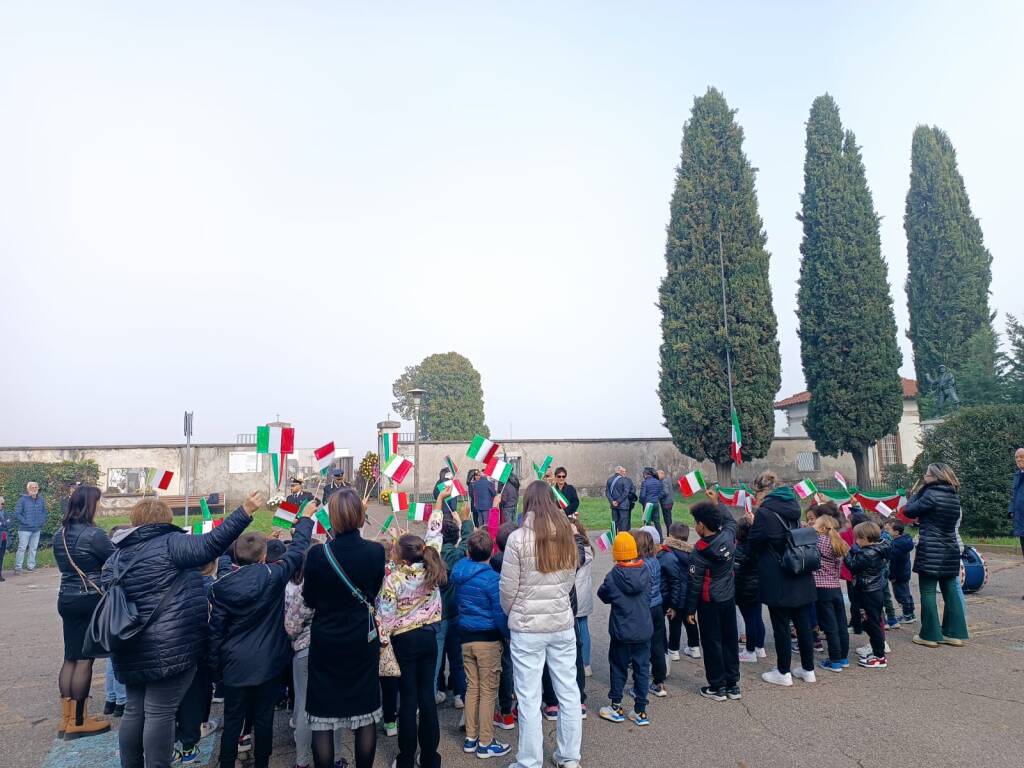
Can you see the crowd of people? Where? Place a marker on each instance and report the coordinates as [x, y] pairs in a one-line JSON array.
[[371, 635]]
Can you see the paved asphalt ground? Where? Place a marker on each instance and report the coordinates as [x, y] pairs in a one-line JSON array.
[[941, 707]]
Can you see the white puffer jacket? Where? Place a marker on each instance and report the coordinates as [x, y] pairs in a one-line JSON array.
[[535, 602], [585, 585]]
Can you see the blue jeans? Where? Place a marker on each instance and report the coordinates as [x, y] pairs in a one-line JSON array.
[[583, 624], [115, 690], [450, 644], [901, 591], [27, 540]]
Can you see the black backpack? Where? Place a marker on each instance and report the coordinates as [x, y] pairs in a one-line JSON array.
[[801, 555]]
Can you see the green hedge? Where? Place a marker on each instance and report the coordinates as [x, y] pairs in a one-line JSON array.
[[978, 443], [55, 483]]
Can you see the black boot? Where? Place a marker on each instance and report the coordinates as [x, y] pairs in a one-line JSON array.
[[108, 708]]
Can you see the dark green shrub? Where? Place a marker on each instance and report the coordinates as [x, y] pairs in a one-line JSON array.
[[55, 483]]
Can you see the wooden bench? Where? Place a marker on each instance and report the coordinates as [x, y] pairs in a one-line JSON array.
[[177, 503]]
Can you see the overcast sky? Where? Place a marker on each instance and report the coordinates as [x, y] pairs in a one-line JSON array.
[[259, 208]]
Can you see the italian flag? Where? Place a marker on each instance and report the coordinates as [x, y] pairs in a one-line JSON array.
[[387, 524], [499, 470], [285, 515], [732, 497], [389, 445], [559, 497], [419, 512], [736, 444], [805, 489], [883, 509], [323, 521], [275, 463], [648, 512], [275, 440], [841, 480], [399, 501], [397, 468], [543, 468], [692, 483], [604, 541], [451, 466], [324, 455], [482, 449], [205, 507], [159, 479], [458, 489]]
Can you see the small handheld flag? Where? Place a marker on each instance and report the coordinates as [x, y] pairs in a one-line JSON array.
[[732, 497], [323, 519], [451, 466], [389, 445], [397, 468], [543, 468], [648, 512], [847, 510], [805, 488], [604, 541], [458, 489], [285, 515], [560, 498], [842, 481], [324, 456], [883, 509], [205, 508], [275, 439], [387, 524], [499, 470], [418, 512], [482, 449], [692, 483], [159, 479], [399, 501]]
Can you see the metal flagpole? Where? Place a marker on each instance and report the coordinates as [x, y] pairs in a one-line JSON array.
[[188, 460], [725, 321]]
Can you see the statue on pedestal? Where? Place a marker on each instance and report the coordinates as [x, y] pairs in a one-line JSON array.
[[944, 389]]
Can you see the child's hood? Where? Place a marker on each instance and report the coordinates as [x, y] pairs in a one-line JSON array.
[[411, 578], [678, 544], [632, 579]]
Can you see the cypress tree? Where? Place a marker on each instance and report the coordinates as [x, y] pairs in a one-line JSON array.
[[949, 268], [847, 328], [714, 194]]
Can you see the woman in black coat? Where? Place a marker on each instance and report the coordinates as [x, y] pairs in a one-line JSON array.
[[158, 558], [80, 549], [936, 506], [343, 689], [788, 597]]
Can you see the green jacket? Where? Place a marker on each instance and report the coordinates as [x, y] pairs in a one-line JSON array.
[[451, 554]]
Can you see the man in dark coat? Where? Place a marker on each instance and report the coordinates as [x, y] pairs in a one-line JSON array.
[[482, 493], [297, 496], [336, 484], [618, 490], [1017, 498], [651, 491]]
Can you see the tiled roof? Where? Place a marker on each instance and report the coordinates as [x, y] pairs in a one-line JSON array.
[[909, 393]]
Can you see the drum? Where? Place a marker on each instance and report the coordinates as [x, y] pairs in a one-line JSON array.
[[973, 571]]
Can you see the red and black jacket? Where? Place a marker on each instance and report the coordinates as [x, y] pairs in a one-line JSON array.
[[711, 567]]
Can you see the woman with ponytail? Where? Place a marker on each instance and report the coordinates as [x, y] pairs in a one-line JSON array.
[[831, 608], [538, 574], [409, 608]]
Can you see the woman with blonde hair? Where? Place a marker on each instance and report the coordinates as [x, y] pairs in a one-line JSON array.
[[158, 565], [537, 576], [936, 507]]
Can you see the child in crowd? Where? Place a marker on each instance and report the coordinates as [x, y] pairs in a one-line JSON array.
[[866, 561], [745, 571], [645, 548], [248, 644], [455, 533], [831, 606], [117, 696], [855, 517], [711, 599], [584, 595], [482, 626], [677, 545], [505, 718], [627, 588], [891, 620], [900, 570], [675, 579], [409, 608]]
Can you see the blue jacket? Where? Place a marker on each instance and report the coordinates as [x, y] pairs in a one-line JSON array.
[[899, 558], [650, 491], [618, 489], [626, 588], [476, 591], [1017, 503], [29, 513], [655, 569], [483, 493]]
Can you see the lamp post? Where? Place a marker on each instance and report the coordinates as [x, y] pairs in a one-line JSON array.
[[417, 395]]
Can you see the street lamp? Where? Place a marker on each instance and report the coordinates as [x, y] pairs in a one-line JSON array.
[[417, 396]]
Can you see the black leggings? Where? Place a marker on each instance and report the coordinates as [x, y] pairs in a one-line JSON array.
[[675, 632], [832, 620], [801, 619], [416, 651], [364, 745]]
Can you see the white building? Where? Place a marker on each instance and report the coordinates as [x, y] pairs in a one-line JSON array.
[[901, 447]]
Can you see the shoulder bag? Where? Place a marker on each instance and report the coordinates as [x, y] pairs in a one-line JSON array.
[[801, 555], [388, 666]]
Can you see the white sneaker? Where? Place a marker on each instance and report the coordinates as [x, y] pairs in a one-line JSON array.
[[693, 653], [587, 671], [864, 650], [802, 674], [459, 703], [748, 656], [761, 654], [674, 655], [777, 678], [440, 697], [462, 721]]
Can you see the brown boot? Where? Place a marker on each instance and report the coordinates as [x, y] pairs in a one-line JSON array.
[[67, 712], [86, 726]]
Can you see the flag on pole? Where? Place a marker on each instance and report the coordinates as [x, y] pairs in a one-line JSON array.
[[324, 455], [559, 497], [842, 480], [451, 466], [418, 512], [482, 449], [805, 488], [736, 445], [205, 507], [275, 440], [397, 468], [323, 521], [387, 524], [733, 497], [389, 445], [648, 512], [499, 470], [458, 489], [275, 463], [158, 479], [399, 501], [286, 515], [748, 504], [692, 483], [604, 541], [543, 468]]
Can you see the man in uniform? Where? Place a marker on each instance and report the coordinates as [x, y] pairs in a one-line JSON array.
[[298, 497], [336, 484]]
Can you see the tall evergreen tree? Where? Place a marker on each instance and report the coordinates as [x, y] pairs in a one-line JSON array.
[[949, 268], [847, 328], [714, 195], [1014, 371]]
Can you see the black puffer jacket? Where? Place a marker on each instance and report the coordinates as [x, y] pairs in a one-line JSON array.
[[711, 572], [89, 547], [767, 541], [745, 567], [176, 640], [937, 508], [867, 564]]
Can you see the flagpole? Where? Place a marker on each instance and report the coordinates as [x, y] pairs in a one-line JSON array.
[[725, 325]]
